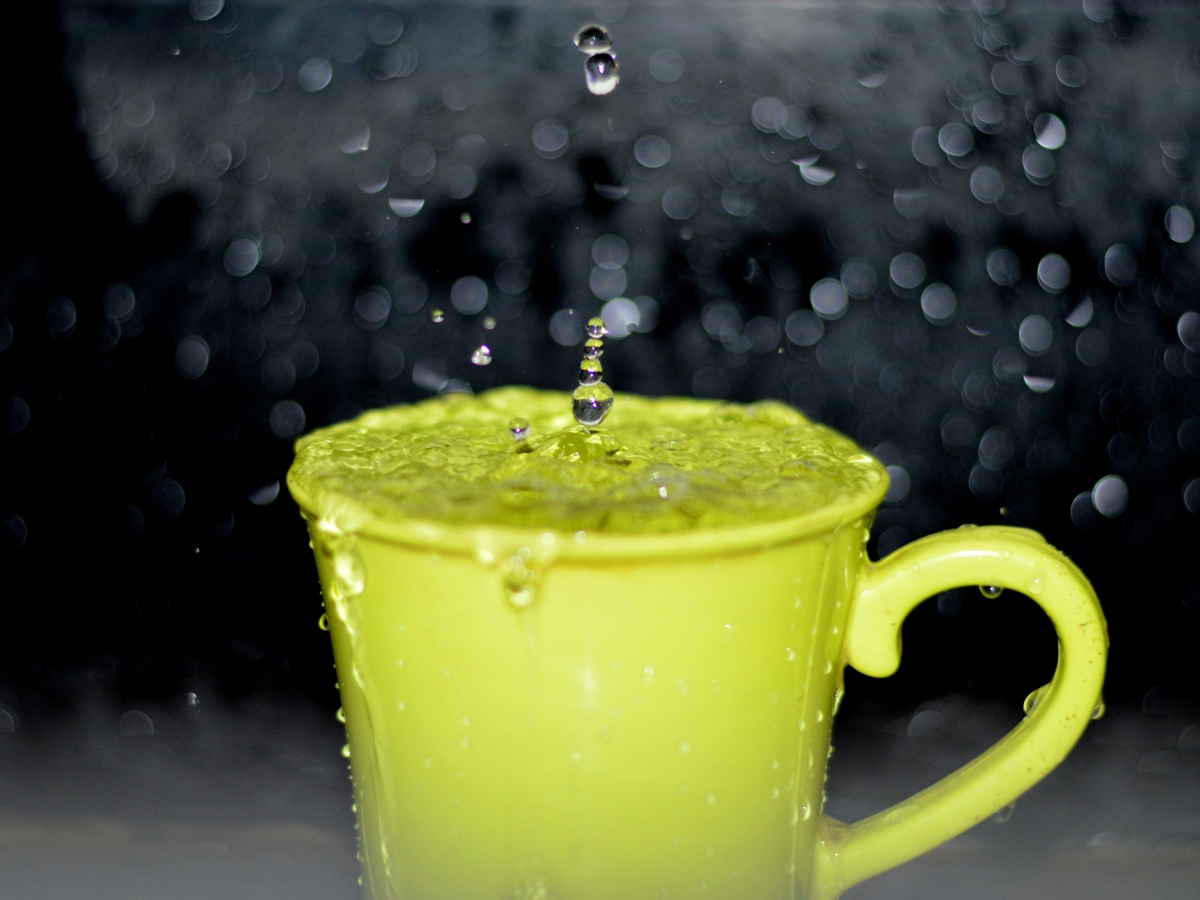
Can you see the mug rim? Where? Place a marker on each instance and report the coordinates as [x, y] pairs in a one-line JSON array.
[[591, 546]]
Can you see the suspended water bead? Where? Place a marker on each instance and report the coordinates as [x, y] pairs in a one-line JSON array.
[[990, 591], [481, 355], [601, 73], [591, 402], [437, 315], [518, 427], [592, 39], [590, 371], [593, 348], [488, 323], [595, 328]]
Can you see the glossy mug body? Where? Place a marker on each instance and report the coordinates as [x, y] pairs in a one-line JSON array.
[[542, 715]]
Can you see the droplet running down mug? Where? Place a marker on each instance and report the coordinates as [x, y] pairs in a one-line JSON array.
[[598, 663]]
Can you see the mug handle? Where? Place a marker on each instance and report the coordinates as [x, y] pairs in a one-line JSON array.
[[884, 594]]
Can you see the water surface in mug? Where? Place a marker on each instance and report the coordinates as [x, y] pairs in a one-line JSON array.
[[658, 465]]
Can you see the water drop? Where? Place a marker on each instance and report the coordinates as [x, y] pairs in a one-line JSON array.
[[437, 316], [191, 701], [648, 674], [488, 323], [323, 622], [662, 491], [590, 371], [601, 73], [520, 583], [518, 427], [340, 715], [406, 207], [593, 348], [465, 218], [990, 591], [465, 743], [346, 750], [592, 39], [791, 654], [685, 747], [1099, 709], [682, 687], [1001, 816], [481, 355], [1034, 586], [710, 798], [595, 328], [591, 403]]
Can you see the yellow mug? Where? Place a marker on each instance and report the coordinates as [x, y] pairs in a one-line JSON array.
[[656, 722]]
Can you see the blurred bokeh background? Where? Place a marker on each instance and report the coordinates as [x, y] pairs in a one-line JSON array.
[[962, 233]]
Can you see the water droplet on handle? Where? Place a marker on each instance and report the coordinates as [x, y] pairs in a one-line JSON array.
[[591, 403], [601, 73], [1001, 816], [323, 622], [481, 355], [519, 428], [990, 591], [592, 39]]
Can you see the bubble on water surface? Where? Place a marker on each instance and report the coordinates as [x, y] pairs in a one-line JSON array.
[[601, 73], [518, 427]]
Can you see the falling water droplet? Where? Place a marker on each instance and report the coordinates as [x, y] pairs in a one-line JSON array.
[[520, 583], [593, 348], [519, 428], [590, 371], [323, 622], [481, 355], [340, 715], [601, 71], [593, 39], [437, 316], [591, 403], [595, 328], [990, 591], [192, 701], [488, 323]]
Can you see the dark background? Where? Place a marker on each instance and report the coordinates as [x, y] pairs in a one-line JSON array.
[[138, 568]]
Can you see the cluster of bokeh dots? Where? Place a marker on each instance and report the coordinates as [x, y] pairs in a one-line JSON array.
[[952, 232]]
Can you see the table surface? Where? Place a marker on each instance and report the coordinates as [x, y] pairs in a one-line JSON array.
[[254, 802]]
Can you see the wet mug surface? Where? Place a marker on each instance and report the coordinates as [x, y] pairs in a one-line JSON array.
[[644, 711]]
